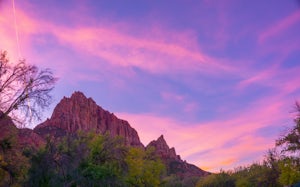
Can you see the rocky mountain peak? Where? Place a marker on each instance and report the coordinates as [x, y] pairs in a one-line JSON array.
[[78, 94], [173, 162], [80, 97], [81, 113], [163, 150]]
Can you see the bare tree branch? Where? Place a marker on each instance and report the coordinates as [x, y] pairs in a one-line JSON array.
[[24, 88]]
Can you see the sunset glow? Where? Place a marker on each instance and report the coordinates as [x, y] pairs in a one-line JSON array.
[[217, 78]]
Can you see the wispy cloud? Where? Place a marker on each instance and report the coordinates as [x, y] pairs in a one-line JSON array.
[[167, 53], [279, 27]]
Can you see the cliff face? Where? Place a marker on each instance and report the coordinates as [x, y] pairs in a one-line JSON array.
[[173, 162], [81, 113]]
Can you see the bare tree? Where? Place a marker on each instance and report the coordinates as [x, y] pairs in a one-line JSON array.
[[24, 89]]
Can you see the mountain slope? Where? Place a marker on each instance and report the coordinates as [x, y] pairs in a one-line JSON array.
[[81, 113]]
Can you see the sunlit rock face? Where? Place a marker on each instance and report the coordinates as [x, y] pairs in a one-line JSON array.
[[81, 113]]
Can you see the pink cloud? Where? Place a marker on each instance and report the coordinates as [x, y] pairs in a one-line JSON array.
[[280, 26], [124, 50], [166, 52], [209, 137], [8, 37], [172, 96], [283, 80]]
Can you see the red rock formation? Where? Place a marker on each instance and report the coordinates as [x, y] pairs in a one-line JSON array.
[[20, 137], [173, 162], [7, 128], [27, 137], [163, 150], [81, 113]]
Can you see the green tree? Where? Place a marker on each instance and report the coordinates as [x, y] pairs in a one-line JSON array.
[[222, 179], [255, 175], [289, 164], [45, 168], [144, 168], [290, 171], [14, 164], [290, 142], [105, 163], [77, 160]]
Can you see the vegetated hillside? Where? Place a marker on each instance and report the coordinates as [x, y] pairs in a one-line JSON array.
[[83, 144]]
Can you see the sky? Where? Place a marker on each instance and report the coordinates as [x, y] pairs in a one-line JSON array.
[[219, 79]]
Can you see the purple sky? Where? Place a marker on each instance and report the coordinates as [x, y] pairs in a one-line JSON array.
[[218, 78]]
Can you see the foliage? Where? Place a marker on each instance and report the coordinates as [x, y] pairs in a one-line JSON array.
[[144, 168], [289, 164], [222, 179], [93, 160], [174, 180], [14, 164], [75, 160], [290, 142], [105, 162], [290, 171], [24, 88], [254, 175]]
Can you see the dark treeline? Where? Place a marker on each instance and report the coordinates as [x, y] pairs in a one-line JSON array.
[[83, 159]]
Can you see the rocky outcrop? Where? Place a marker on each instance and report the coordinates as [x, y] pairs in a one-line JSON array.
[[11, 135], [173, 162], [162, 149], [27, 137], [8, 130], [82, 113]]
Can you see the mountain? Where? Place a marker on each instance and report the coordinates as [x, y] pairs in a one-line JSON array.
[[81, 113]]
